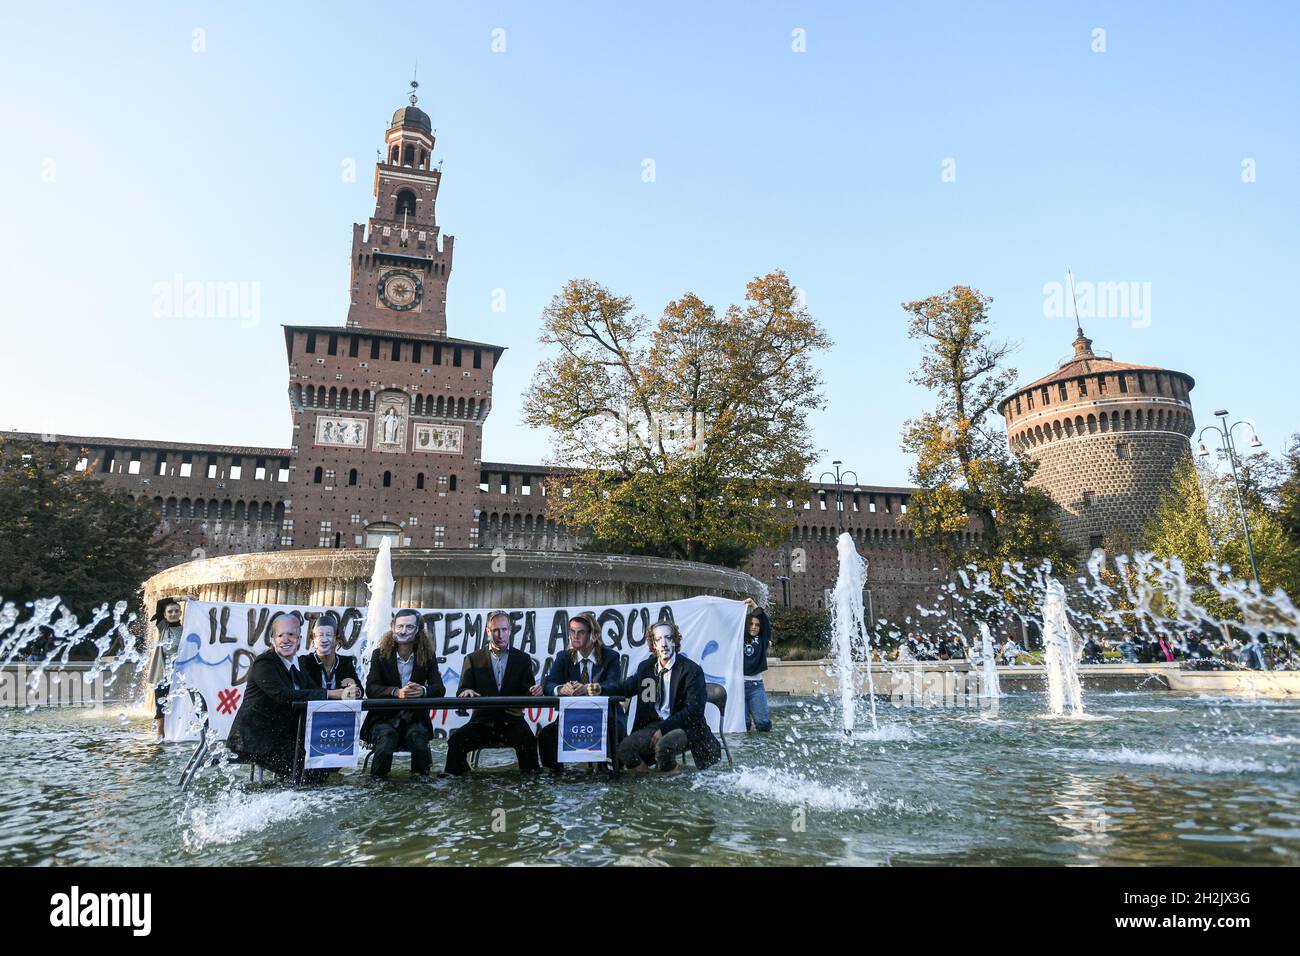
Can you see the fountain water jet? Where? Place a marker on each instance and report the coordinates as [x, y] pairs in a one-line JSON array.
[[380, 610], [849, 632], [1061, 646], [988, 664]]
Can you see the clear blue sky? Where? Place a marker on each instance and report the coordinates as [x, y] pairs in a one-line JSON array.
[[226, 165]]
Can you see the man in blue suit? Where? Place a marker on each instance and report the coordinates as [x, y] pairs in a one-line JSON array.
[[587, 669]]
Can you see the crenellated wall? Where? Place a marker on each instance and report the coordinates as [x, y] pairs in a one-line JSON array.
[[1106, 435]]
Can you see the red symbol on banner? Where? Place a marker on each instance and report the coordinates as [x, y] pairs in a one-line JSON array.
[[227, 700]]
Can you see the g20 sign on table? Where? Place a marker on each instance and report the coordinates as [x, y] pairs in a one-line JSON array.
[[584, 729], [221, 639], [333, 734]]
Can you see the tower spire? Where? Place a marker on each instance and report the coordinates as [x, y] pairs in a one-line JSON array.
[[1075, 299], [415, 83]]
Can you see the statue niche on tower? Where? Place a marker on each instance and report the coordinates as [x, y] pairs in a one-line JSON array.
[[391, 411]]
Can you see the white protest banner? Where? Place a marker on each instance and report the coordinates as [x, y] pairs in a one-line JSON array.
[[333, 735], [222, 638], [584, 730]]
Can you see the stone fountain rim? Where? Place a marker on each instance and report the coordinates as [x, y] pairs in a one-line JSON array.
[[358, 563]]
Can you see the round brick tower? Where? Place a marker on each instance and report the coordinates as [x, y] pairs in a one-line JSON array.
[[1105, 435]]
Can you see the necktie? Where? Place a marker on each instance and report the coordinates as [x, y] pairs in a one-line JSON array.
[[293, 677], [659, 686], [586, 673]]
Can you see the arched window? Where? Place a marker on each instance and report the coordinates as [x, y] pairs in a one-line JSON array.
[[388, 479], [317, 475], [405, 204], [352, 477]]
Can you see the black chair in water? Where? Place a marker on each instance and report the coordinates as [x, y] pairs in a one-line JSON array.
[[716, 695]]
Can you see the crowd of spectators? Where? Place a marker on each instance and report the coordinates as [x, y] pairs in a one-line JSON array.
[[1198, 651]]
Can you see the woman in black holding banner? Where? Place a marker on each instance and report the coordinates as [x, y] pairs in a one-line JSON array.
[[266, 728]]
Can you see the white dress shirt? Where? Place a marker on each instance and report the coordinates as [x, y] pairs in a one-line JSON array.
[[405, 668]]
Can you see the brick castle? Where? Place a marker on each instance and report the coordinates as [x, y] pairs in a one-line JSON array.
[[388, 416]]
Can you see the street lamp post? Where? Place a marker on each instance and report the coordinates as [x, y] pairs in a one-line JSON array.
[[839, 477], [1224, 431], [784, 577]]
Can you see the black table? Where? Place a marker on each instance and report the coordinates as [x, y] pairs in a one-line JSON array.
[[442, 703]]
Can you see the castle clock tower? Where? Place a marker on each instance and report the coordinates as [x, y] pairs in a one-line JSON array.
[[399, 273], [388, 410]]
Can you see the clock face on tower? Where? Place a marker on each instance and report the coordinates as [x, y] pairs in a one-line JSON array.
[[400, 289]]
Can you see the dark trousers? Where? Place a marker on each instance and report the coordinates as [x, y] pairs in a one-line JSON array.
[[503, 732], [387, 739], [161, 691], [548, 742], [636, 747]]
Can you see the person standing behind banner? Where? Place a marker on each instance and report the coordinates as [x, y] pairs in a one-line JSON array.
[[497, 670], [265, 730], [587, 668], [758, 635], [167, 617], [326, 667], [404, 665]]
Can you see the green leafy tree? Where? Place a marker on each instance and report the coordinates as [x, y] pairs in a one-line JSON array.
[[66, 533], [685, 439], [964, 470], [1198, 521]]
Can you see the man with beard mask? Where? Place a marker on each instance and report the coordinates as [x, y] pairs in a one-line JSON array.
[[167, 617], [670, 698], [586, 669], [497, 670], [404, 665]]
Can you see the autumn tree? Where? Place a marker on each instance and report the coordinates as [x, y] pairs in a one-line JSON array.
[[66, 533], [1198, 520], [964, 470], [685, 438]]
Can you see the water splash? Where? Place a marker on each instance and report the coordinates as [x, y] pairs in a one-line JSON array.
[[989, 686], [1061, 646], [380, 610], [849, 634]]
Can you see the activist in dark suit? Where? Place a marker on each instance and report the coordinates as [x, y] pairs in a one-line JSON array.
[[670, 697], [404, 665], [587, 668], [266, 727], [324, 665], [497, 670]]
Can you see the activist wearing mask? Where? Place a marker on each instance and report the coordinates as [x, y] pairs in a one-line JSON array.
[[327, 667], [265, 729], [403, 666], [587, 668], [670, 697], [497, 670]]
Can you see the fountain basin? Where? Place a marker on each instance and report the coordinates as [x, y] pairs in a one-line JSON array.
[[467, 578]]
